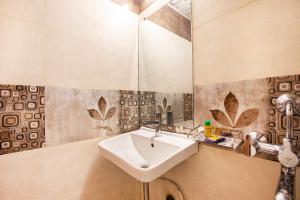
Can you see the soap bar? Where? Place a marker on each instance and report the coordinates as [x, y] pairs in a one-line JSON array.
[[215, 139]]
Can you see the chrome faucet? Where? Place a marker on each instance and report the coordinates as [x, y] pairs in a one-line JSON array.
[[157, 125], [157, 130], [190, 132], [290, 105]]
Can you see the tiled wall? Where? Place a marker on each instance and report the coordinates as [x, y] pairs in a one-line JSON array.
[[75, 114], [22, 118], [129, 111], [147, 106], [276, 121], [238, 40], [188, 106], [180, 104], [156, 63], [248, 106], [68, 43], [32, 117]]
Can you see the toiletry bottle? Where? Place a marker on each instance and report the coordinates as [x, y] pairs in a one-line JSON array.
[[207, 129], [170, 118]]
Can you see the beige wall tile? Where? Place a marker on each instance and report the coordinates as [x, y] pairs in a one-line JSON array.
[[72, 171], [26, 10], [238, 40], [77, 171], [58, 15], [80, 44], [207, 10], [167, 69], [98, 49], [219, 174], [259, 40], [22, 50], [57, 58]]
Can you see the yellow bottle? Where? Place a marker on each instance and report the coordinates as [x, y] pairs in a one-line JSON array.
[[207, 129]]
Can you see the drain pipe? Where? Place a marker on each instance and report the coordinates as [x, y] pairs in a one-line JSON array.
[[146, 195]]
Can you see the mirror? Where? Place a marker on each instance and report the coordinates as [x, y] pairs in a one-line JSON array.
[[165, 63]]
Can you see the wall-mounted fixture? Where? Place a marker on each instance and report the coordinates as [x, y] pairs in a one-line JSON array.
[[287, 153]]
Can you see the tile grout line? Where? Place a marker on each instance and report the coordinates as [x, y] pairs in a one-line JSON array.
[[226, 13], [28, 21], [44, 47]]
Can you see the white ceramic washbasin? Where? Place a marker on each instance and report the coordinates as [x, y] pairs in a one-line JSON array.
[[146, 159]]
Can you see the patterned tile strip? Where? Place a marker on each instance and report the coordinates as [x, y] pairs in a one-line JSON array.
[[22, 118], [129, 111], [188, 106]]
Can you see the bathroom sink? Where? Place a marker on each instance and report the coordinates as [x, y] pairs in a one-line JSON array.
[[145, 158]]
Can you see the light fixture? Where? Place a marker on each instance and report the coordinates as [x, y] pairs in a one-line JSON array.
[[126, 6]]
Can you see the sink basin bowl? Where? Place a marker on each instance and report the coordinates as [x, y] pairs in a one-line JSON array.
[[144, 158]]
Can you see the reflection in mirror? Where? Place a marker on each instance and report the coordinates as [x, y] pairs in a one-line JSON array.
[[165, 63]]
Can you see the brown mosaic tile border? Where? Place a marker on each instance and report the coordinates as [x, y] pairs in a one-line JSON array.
[[129, 111], [188, 106], [147, 107], [22, 118]]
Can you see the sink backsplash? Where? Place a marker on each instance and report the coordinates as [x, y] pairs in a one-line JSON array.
[[33, 117], [247, 106]]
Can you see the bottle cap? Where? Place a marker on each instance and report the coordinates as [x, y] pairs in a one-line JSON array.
[[207, 123]]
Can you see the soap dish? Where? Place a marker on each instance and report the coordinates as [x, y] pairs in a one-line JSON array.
[[230, 143]]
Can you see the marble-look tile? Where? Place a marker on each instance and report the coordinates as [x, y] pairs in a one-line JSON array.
[[251, 106], [246, 94], [175, 100], [68, 118]]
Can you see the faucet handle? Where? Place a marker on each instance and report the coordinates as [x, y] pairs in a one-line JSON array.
[[285, 99], [286, 157]]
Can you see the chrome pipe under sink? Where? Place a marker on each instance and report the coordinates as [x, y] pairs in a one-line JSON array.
[[286, 184]]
